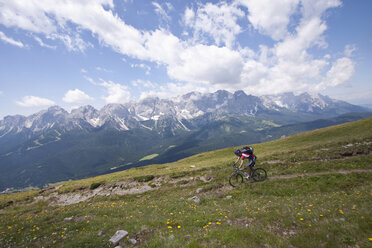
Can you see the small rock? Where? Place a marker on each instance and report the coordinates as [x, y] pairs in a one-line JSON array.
[[101, 233], [118, 236], [132, 241], [182, 199], [68, 219], [199, 190], [195, 199]]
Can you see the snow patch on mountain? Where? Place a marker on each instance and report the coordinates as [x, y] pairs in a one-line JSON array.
[[164, 114]]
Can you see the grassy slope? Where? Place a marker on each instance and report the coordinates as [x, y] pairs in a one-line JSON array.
[[306, 211]]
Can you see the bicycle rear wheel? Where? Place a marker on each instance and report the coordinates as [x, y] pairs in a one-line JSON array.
[[259, 174], [236, 179]]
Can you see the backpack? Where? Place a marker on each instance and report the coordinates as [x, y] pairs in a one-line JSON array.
[[247, 150]]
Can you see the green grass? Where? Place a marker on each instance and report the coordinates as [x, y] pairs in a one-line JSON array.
[[148, 157], [307, 210]]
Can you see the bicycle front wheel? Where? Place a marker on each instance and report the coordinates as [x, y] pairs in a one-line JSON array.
[[236, 179], [259, 174]]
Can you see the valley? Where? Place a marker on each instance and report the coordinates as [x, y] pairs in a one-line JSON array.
[[54, 145]]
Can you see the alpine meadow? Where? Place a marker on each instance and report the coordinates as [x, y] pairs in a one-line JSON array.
[[185, 124], [318, 194]]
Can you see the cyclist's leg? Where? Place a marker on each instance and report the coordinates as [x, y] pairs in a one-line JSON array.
[[248, 166]]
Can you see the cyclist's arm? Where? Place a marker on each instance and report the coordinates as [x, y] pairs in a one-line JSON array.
[[241, 164], [236, 161]]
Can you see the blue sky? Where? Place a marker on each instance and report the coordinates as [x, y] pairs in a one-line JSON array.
[[72, 53]]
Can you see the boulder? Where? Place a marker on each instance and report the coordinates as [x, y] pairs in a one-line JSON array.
[[194, 199], [119, 235]]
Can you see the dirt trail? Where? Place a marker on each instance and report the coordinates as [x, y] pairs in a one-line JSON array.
[[342, 171]]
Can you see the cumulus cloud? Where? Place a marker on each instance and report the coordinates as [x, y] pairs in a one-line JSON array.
[[207, 64], [270, 17], [34, 101], [76, 96], [218, 21], [341, 71], [174, 89], [211, 58], [117, 93], [11, 41]]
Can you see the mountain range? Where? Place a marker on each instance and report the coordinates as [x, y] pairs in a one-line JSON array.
[[54, 145]]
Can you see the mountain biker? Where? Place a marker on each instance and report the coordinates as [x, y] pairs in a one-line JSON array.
[[245, 153]]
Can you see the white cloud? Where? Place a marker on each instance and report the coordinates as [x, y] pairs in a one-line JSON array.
[[73, 43], [341, 71], [11, 41], [316, 8], [144, 84], [270, 17], [142, 66], [162, 12], [308, 34], [98, 68], [42, 44], [207, 64], [34, 101], [210, 59], [117, 93], [218, 21], [76, 96], [91, 80], [349, 50], [29, 15], [174, 89]]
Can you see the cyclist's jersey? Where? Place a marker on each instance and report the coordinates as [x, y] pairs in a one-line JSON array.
[[245, 155]]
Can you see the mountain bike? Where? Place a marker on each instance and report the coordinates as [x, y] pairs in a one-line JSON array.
[[237, 178]]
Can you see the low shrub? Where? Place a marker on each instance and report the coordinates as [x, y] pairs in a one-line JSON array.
[[95, 185]]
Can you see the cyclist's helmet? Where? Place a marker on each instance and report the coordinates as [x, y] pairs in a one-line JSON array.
[[237, 152]]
